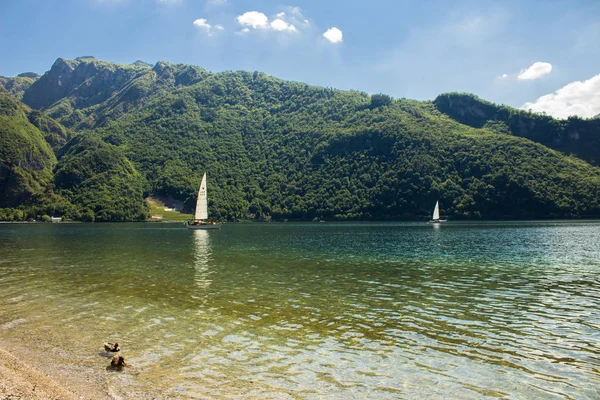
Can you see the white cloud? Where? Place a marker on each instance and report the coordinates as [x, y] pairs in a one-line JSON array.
[[203, 24], [254, 19], [503, 76], [537, 70], [576, 98], [334, 35], [281, 25], [258, 20]]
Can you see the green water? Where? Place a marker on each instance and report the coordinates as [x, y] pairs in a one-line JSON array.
[[315, 310]]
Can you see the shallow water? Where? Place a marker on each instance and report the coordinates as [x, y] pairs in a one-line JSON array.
[[315, 310]]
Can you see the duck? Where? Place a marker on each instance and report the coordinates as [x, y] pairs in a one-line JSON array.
[[119, 361], [114, 347]]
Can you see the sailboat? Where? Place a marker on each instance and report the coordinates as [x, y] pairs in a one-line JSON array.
[[436, 214], [200, 220]]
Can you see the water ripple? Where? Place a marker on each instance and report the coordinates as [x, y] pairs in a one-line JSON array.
[[381, 311]]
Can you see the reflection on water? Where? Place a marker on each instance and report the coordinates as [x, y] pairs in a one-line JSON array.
[[378, 311], [202, 259]]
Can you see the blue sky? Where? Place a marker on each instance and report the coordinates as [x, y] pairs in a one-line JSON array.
[[413, 49]]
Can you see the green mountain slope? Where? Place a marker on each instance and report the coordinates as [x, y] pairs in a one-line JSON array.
[[291, 150], [26, 160], [100, 181], [54, 133], [575, 135], [18, 84]]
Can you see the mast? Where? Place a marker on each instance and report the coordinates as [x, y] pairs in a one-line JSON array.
[[202, 201]]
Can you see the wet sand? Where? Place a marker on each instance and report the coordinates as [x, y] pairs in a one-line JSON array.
[[23, 381], [25, 374]]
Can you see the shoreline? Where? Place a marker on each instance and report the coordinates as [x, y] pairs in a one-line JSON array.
[[28, 373], [22, 378]]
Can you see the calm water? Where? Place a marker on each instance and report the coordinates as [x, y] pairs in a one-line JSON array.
[[316, 310]]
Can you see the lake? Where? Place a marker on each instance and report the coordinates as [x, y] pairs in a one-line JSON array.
[[314, 310]]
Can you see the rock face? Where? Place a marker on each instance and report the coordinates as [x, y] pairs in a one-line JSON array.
[[26, 160], [84, 92], [84, 82]]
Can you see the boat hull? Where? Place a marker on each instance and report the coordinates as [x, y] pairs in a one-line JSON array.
[[437, 221], [204, 226]]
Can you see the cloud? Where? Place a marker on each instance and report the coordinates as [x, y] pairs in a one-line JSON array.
[[203, 24], [281, 25], [576, 98], [536, 71], [258, 20], [503, 76], [254, 19], [294, 16], [334, 35]]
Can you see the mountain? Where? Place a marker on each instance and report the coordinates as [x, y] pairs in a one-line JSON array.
[[97, 178], [291, 150], [54, 133], [574, 135], [26, 159], [18, 84], [92, 180]]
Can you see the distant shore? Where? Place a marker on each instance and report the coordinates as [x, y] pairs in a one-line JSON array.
[[40, 222]]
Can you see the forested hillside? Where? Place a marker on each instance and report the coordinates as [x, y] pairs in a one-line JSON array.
[[92, 181], [574, 135], [291, 150], [97, 178], [18, 84], [26, 159]]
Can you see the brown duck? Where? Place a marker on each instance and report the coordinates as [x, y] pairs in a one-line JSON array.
[[119, 361], [114, 347]]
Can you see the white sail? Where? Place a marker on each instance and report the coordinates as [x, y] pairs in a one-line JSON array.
[[436, 211], [202, 202]]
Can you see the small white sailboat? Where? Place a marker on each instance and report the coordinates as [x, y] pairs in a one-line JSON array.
[[200, 220], [436, 214]]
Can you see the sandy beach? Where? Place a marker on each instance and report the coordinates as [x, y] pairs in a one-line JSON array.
[[27, 374], [22, 381]]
